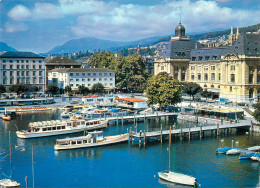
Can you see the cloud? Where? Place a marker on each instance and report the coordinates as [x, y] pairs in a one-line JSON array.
[[223, 0], [19, 12], [15, 27]]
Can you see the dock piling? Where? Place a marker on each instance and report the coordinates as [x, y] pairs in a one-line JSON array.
[[161, 133]]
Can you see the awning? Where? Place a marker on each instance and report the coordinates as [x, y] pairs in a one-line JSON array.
[[75, 89], [214, 90]]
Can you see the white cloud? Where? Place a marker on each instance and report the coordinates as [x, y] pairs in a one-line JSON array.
[[15, 27], [19, 12]]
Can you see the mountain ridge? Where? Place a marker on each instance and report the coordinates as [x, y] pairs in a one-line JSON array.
[[4, 46]]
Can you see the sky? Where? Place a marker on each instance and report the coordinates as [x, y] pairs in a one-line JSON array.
[[40, 25]]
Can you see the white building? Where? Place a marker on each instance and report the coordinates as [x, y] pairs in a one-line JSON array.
[[74, 77], [22, 67]]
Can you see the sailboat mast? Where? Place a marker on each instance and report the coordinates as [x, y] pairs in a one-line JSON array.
[[11, 175], [170, 138], [32, 167]]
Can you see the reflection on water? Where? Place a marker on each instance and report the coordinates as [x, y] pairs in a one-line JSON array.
[[170, 184]]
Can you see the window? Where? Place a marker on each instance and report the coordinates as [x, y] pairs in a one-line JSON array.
[[251, 68], [94, 74], [212, 67], [212, 76], [193, 58], [11, 73], [33, 61], [71, 80], [22, 67], [83, 74], [206, 76], [207, 58], [111, 84], [176, 68], [27, 73], [105, 79], [77, 84], [33, 66], [22, 61], [11, 61], [206, 68], [40, 67], [83, 79], [89, 85], [100, 74], [200, 58], [77, 74], [199, 76], [71, 74], [94, 79], [40, 61], [214, 57], [232, 67], [77, 80], [176, 76], [232, 78], [89, 74], [27, 66], [219, 76], [34, 73], [192, 77], [192, 68], [54, 74], [11, 66], [4, 61], [71, 85], [230, 89], [110, 74], [183, 68], [250, 80], [27, 61], [18, 73], [162, 68], [199, 68], [4, 66], [17, 66], [88, 79], [111, 79], [40, 73], [22, 73], [182, 76], [105, 74], [100, 79]]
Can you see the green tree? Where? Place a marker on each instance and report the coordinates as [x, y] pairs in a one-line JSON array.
[[206, 94], [83, 90], [52, 88], [19, 88], [67, 89], [256, 113], [191, 89], [162, 89], [2, 89], [35, 89], [102, 59], [137, 83], [98, 88]]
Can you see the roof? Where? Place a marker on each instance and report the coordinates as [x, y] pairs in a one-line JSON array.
[[61, 60], [131, 99], [12, 54], [82, 70], [207, 54]]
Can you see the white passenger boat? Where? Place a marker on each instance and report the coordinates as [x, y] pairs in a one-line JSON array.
[[93, 139], [57, 127], [7, 183]]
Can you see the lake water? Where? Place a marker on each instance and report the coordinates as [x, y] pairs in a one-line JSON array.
[[123, 165]]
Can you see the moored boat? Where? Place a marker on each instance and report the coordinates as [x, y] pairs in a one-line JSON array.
[[233, 151], [8, 183], [6, 117], [223, 150], [92, 139], [65, 114], [57, 127]]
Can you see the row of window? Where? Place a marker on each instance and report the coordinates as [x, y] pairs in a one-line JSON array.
[[205, 68], [22, 67], [90, 74], [24, 81], [89, 85], [22, 73], [205, 76], [89, 79], [206, 58], [18, 61]]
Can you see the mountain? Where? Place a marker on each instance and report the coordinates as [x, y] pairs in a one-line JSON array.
[[92, 43], [4, 46]]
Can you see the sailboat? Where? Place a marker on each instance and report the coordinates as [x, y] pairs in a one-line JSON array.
[[6, 116], [175, 177], [8, 183]]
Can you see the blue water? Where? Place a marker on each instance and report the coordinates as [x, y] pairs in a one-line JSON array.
[[124, 165]]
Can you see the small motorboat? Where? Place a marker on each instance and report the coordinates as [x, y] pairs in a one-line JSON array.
[[233, 151], [223, 150], [6, 117], [8, 183], [256, 157]]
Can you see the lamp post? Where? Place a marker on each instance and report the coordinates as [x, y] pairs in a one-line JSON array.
[[236, 88]]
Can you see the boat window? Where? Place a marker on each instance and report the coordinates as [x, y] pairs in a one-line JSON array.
[[79, 142], [85, 141], [63, 127], [58, 128], [53, 128], [73, 142], [49, 128], [44, 129]]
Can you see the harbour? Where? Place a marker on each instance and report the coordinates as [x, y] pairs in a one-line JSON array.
[[131, 165]]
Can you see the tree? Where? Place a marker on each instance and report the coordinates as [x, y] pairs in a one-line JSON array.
[[2, 89], [162, 89], [101, 59], [67, 89], [256, 113], [52, 88], [83, 90], [137, 83], [19, 88], [98, 88], [206, 94], [35, 89], [191, 89]]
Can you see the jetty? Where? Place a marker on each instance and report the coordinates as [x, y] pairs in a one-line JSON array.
[[188, 132], [137, 117]]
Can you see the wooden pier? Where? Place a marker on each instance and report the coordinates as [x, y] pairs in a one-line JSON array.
[[142, 136], [138, 117]]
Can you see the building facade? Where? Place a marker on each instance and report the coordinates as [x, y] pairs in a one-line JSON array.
[[22, 67], [232, 72], [75, 77]]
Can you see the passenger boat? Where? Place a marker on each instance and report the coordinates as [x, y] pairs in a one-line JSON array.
[[175, 177], [57, 127], [92, 139]]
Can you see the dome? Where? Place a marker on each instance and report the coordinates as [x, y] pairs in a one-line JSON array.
[[179, 30]]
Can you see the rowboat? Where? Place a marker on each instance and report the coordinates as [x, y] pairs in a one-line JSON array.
[[92, 139]]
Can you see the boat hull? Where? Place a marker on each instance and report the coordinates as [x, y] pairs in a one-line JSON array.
[[59, 132], [178, 178], [117, 139]]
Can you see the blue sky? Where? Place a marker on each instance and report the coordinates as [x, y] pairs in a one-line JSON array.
[[40, 25]]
